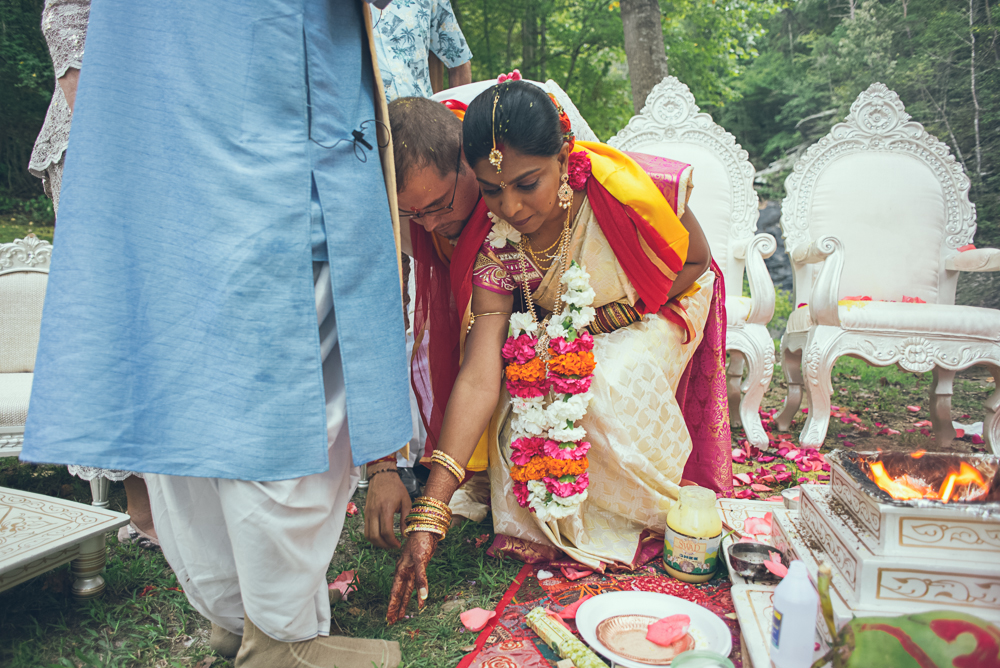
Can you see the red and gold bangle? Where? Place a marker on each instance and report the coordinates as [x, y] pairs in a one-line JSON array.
[[449, 464]]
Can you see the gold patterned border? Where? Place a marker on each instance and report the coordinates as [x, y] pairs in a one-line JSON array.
[[856, 501], [941, 588], [835, 548], [964, 536]]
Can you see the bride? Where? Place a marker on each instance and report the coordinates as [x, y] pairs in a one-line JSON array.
[[585, 299]]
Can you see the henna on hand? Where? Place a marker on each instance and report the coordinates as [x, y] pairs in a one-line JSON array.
[[411, 572]]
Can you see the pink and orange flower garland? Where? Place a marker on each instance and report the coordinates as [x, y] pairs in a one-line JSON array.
[[548, 451]]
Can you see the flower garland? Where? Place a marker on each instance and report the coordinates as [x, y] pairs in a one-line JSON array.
[[548, 451]]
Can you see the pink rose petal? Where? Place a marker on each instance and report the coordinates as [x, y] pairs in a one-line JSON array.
[[922, 423], [760, 488], [668, 630], [757, 526], [476, 619], [774, 565], [913, 409], [345, 583], [569, 612]]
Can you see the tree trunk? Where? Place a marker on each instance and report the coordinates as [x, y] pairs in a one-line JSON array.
[[644, 48], [972, 85], [529, 40]]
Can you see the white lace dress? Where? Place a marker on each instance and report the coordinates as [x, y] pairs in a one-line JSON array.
[[64, 24]]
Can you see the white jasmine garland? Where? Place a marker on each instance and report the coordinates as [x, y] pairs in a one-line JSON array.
[[502, 232], [522, 323], [572, 409], [563, 434], [526, 428], [576, 277], [572, 501], [583, 317], [556, 327], [580, 297]]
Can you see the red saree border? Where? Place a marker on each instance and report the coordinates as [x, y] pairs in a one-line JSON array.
[[508, 595]]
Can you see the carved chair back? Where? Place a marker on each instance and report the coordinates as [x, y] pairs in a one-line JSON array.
[[723, 199], [24, 269], [892, 193]]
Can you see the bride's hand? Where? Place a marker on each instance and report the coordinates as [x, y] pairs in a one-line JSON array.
[[411, 571]]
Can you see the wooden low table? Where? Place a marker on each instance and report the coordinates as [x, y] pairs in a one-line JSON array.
[[39, 533]]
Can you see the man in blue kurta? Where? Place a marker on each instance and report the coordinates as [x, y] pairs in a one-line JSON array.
[[224, 310]]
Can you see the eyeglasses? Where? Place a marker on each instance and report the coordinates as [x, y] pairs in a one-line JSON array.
[[416, 215]]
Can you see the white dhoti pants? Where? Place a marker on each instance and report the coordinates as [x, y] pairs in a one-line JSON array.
[[261, 550]]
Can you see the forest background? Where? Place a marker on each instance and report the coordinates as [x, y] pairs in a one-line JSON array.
[[777, 74]]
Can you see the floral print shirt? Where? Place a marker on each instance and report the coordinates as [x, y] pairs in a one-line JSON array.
[[405, 32]]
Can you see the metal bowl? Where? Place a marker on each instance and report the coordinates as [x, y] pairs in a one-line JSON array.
[[747, 560]]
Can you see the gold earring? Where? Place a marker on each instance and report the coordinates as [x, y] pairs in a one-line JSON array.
[[565, 193]]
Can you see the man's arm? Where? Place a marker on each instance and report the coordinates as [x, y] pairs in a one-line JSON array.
[[461, 75]]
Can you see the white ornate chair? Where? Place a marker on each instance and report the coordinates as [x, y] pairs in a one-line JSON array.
[[725, 202], [24, 272], [879, 208]]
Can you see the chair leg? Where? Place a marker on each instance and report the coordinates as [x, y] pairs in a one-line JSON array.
[[791, 366], [942, 387], [734, 378], [819, 355], [759, 373], [99, 489], [991, 425], [87, 580]]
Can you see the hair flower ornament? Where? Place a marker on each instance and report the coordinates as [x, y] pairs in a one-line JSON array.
[[513, 76]]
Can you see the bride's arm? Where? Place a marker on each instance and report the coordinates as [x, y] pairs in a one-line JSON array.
[[699, 255], [473, 400]]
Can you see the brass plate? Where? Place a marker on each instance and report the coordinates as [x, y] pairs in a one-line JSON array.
[[625, 635]]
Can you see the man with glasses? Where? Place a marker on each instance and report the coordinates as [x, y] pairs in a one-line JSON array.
[[437, 193]]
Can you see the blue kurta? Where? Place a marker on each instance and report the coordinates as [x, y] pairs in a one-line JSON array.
[[179, 334]]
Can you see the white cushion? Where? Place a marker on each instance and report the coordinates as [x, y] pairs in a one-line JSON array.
[[964, 321], [737, 310], [22, 295], [15, 391], [889, 211]]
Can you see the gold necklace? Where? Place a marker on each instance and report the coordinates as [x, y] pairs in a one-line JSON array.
[[523, 262], [543, 258]]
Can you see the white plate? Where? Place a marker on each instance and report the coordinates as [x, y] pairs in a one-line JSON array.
[[709, 631]]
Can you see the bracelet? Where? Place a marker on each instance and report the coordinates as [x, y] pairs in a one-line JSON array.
[[449, 464], [372, 475], [425, 501], [473, 316]]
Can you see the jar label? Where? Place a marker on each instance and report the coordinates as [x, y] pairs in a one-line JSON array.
[[775, 629], [696, 556]]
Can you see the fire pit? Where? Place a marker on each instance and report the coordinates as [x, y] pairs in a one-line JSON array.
[[939, 547]]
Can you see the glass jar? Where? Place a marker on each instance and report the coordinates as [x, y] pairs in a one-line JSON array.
[[693, 536]]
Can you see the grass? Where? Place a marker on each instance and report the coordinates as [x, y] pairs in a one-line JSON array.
[[17, 225], [143, 621]]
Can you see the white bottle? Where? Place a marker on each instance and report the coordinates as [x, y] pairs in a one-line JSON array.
[[793, 629]]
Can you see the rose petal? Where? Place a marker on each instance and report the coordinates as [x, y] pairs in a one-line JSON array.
[[760, 488], [476, 619], [774, 565], [668, 630], [569, 612], [922, 423], [913, 409], [544, 575]]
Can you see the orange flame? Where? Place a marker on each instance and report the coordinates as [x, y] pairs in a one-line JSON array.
[[966, 475], [917, 454], [895, 488], [906, 489]]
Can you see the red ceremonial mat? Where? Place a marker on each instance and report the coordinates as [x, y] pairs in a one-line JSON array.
[[508, 642]]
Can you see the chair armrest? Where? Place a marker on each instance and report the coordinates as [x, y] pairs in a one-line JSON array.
[[977, 259], [826, 287], [761, 287]]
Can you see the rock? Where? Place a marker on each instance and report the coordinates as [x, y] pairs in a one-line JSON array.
[[450, 606]]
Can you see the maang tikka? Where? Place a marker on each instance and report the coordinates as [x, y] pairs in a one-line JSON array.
[[496, 157]]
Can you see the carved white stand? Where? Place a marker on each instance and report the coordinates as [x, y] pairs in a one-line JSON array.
[[672, 126], [937, 336]]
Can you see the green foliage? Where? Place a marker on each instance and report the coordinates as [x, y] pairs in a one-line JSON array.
[[26, 82]]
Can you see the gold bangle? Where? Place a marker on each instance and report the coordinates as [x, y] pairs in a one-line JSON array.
[[473, 316], [449, 463], [433, 503]]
